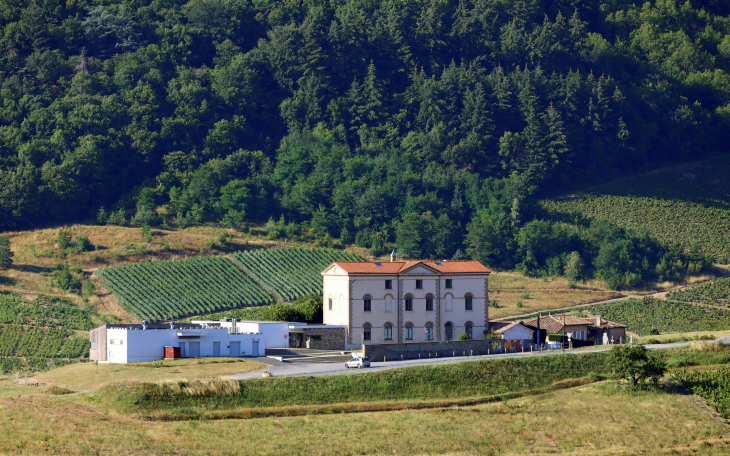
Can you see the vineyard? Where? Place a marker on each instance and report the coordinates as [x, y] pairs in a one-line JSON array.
[[15, 340], [713, 386], [44, 311], [686, 206], [290, 273], [716, 292], [166, 290], [664, 316], [29, 364]]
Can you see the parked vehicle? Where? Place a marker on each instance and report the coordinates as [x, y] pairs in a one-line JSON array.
[[358, 362]]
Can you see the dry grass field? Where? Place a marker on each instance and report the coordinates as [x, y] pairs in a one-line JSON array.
[[595, 419], [89, 375], [536, 294]]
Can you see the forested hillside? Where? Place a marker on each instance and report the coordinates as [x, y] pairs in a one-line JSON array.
[[430, 124]]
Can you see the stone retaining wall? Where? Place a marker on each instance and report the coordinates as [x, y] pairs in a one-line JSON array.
[[394, 352], [329, 338]]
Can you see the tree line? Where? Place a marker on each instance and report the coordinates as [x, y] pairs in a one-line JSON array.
[[431, 124]]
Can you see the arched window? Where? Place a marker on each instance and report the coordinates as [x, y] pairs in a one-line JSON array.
[[388, 303], [449, 298], [367, 303], [449, 331], [388, 331], [429, 303], [469, 328], [429, 331], [366, 332], [409, 331], [469, 302], [330, 303], [409, 303]]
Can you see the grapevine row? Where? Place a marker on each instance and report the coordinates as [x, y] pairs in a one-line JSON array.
[[290, 273]]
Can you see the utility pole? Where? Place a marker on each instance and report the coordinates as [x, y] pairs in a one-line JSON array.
[[562, 343]]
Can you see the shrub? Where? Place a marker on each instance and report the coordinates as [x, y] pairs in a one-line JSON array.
[[83, 244], [633, 363], [493, 303], [463, 336]]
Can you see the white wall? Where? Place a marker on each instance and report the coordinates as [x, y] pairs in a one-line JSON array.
[[336, 286], [517, 332]]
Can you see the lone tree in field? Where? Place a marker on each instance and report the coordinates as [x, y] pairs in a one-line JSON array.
[[6, 255], [634, 364]]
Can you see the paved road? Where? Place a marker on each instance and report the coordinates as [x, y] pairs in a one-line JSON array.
[[294, 369]]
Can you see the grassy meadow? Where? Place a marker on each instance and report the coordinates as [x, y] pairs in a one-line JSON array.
[[89, 375], [575, 418]]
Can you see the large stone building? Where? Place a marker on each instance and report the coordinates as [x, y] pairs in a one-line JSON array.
[[404, 302]]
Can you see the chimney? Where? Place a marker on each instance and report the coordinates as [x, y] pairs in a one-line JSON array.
[[392, 256], [598, 320], [233, 325], [144, 324], [172, 325]]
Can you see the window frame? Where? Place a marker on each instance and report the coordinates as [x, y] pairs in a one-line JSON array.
[[367, 332], [468, 302], [409, 331], [387, 331], [419, 284], [408, 303], [429, 331], [449, 284], [388, 284], [330, 304], [429, 300], [469, 330], [367, 303]]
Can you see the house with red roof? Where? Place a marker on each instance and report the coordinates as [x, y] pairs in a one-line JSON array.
[[406, 301]]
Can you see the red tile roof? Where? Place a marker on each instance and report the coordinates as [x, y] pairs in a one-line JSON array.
[[554, 323], [445, 267]]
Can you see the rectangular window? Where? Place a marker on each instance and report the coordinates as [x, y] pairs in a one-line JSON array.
[[419, 284], [409, 333], [388, 284], [366, 334], [388, 333], [111, 341], [368, 306], [409, 304], [469, 303], [448, 283], [330, 303], [429, 304]]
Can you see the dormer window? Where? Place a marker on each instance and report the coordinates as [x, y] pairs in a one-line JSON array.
[[439, 264], [380, 265]]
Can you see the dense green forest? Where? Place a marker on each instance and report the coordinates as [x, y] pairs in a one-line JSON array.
[[431, 124]]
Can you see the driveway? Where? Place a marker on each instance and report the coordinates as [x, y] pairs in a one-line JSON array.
[[296, 369]]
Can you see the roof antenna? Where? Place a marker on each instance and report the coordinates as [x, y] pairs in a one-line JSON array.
[[392, 256]]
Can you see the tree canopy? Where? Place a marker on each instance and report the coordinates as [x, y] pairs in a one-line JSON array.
[[427, 123]]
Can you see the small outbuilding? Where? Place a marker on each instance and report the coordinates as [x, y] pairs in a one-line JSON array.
[[515, 331]]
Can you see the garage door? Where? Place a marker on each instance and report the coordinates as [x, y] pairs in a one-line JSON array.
[[194, 350]]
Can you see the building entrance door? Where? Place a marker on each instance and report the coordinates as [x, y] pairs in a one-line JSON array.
[[235, 349], [216, 348], [194, 350], [255, 349], [183, 352], [449, 331]]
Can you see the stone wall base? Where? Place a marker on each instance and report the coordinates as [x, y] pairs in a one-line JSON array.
[[395, 352]]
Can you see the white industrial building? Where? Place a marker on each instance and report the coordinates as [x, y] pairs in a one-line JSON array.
[[199, 339]]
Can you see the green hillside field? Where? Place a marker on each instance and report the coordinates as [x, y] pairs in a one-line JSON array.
[[688, 205]]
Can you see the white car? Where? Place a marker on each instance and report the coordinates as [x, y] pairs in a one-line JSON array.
[[358, 362]]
